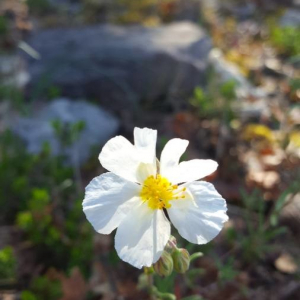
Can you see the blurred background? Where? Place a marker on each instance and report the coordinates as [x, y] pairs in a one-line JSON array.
[[223, 74]]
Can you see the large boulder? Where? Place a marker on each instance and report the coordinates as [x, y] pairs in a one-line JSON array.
[[70, 6], [99, 126], [121, 66]]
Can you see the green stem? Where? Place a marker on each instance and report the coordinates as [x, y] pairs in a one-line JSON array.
[[163, 296], [149, 273], [195, 256]]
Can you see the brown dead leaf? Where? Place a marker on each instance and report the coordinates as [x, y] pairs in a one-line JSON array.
[[185, 125], [19, 10], [294, 116], [127, 288], [285, 263], [273, 160], [102, 243], [73, 287], [8, 296], [266, 179]]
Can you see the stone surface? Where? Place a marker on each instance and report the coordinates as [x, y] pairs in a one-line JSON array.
[[36, 130], [187, 10], [242, 11], [291, 17], [120, 66], [12, 71], [228, 71], [70, 6]]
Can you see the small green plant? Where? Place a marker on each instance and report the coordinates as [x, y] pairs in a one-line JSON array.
[[227, 90], [3, 26], [14, 96], [21, 172], [27, 295], [256, 242], [286, 39], [48, 236], [53, 92], [34, 190], [7, 264], [202, 102], [294, 84], [215, 102], [227, 270], [67, 134], [193, 297], [38, 6], [36, 221], [43, 288], [282, 201]]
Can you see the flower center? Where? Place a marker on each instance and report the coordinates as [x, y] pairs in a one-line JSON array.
[[158, 191]]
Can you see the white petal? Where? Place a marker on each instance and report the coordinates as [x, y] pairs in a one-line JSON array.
[[200, 217], [193, 170], [120, 157], [142, 236], [108, 199], [144, 171], [145, 143], [170, 156]]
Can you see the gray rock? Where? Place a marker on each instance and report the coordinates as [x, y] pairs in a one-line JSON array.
[[188, 10], [12, 71], [242, 12], [296, 3], [122, 65], [291, 17], [70, 6], [36, 130], [228, 71]]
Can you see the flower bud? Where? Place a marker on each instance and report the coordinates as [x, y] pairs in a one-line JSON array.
[[181, 259], [164, 266], [171, 245]]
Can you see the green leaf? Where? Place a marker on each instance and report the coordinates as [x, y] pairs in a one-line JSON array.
[[7, 263], [27, 295], [227, 90], [193, 297]]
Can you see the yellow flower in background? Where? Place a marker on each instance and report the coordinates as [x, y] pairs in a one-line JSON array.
[[258, 131], [134, 196], [295, 138]]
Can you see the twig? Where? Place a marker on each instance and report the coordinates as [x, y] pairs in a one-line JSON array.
[[150, 283]]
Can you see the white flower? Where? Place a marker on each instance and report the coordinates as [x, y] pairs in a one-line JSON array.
[[133, 197]]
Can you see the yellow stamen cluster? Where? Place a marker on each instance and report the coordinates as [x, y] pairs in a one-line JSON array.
[[158, 192]]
